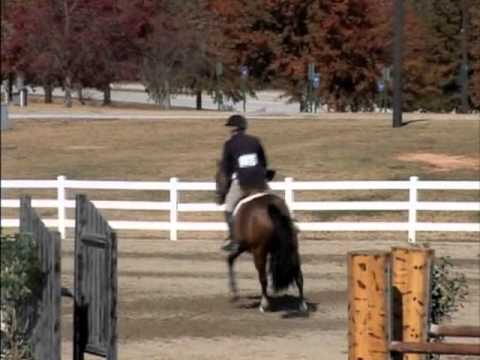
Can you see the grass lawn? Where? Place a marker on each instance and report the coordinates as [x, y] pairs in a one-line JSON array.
[[306, 149]]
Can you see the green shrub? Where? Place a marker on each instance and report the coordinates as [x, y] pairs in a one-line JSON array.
[[449, 290], [20, 278]]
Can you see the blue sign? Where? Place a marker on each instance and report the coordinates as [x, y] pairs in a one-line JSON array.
[[316, 81], [381, 86], [244, 71], [311, 71]]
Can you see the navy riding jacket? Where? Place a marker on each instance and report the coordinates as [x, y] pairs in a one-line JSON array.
[[244, 158]]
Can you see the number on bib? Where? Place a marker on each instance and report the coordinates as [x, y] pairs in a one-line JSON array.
[[247, 160]]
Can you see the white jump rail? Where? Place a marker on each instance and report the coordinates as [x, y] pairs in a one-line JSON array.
[[288, 186]]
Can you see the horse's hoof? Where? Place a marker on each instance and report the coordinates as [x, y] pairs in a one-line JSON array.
[[234, 298], [264, 305], [303, 306]]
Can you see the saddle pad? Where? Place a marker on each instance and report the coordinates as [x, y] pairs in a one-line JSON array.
[[247, 199]]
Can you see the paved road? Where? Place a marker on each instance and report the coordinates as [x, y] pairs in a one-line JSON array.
[[266, 101], [268, 104]]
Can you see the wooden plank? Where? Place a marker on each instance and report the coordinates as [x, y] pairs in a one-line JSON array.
[[95, 246], [104, 289], [96, 350], [368, 283], [435, 348], [25, 214], [378, 305], [78, 341], [418, 296], [112, 298], [94, 239], [357, 306], [46, 310], [455, 330], [57, 288], [88, 284], [411, 295]]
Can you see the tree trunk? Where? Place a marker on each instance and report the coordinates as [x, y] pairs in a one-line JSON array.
[[48, 88], [303, 106], [398, 38], [20, 81], [166, 103], [80, 94], [10, 87], [107, 95], [68, 91], [199, 99], [464, 103]]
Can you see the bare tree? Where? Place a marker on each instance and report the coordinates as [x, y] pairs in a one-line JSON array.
[[177, 54]]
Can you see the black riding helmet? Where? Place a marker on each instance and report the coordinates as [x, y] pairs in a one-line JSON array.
[[237, 121]]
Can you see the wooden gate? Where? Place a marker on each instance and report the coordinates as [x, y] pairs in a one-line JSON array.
[[45, 312], [95, 293]]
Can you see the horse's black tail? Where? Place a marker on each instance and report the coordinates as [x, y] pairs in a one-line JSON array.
[[284, 259]]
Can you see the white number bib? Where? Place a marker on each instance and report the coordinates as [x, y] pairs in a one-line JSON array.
[[247, 160]]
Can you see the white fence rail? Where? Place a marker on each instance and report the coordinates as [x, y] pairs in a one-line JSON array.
[[173, 206]]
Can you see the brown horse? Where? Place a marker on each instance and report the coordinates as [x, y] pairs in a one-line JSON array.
[[263, 226]]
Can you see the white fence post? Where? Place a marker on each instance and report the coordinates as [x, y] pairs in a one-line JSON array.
[[61, 204], [289, 193], [412, 210], [173, 208]]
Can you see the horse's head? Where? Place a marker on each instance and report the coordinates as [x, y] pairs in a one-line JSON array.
[[222, 183]]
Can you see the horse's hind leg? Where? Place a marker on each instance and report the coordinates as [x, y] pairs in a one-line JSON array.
[[231, 273], [261, 265], [299, 282]]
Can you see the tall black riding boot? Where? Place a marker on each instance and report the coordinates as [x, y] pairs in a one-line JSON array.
[[229, 244]]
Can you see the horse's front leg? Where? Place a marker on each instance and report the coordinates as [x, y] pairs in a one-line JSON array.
[[261, 266], [231, 273], [299, 282]]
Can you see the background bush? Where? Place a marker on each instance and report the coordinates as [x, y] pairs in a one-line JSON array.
[[20, 278], [449, 290]]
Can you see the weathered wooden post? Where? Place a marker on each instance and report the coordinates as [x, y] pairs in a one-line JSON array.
[[45, 312], [411, 272], [368, 305]]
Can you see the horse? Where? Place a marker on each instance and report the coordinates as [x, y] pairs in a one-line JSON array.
[[263, 226]]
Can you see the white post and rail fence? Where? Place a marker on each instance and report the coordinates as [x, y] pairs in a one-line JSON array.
[[64, 188]]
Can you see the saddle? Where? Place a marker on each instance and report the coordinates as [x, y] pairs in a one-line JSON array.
[[270, 174], [246, 200]]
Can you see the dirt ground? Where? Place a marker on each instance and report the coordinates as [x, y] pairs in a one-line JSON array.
[[173, 296], [443, 162], [174, 303]]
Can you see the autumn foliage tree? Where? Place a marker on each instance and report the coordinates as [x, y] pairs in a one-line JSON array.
[[349, 48], [278, 39], [421, 86], [433, 72], [66, 42], [174, 46], [44, 43], [106, 47]]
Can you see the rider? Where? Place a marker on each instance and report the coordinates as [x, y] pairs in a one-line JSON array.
[[245, 163]]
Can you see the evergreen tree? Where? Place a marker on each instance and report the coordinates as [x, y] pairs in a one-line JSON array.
[[348, 44], [441, 21], [474, 42]]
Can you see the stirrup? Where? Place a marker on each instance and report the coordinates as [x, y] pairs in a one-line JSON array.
[[229, 245]]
